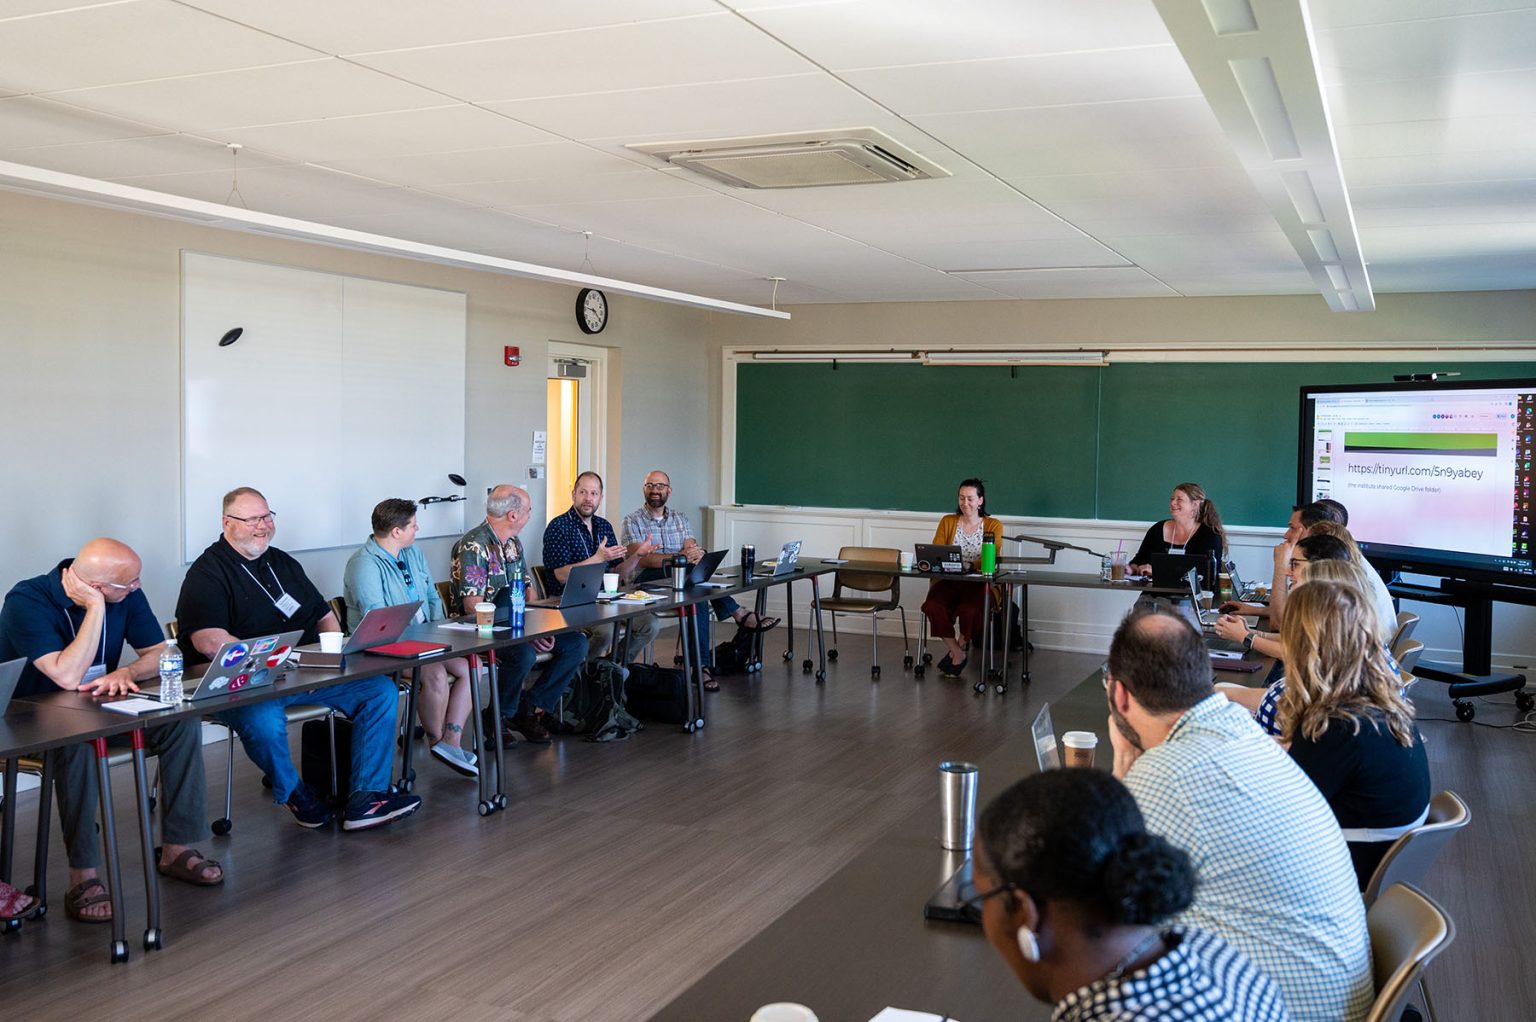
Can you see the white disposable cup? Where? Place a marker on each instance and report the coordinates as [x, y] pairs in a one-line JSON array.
[[1077, 748], [906, 560], [485, 615], [1207, 599], [783, 1011], [610, 582], [330, 642]]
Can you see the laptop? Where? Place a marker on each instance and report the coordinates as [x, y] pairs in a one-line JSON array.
[[1044, 731], [1168, 570], [787, 563], [10, 677], [245, 664], [581, 588], [944, 557], [698, 574], [1205, 618], [381, 626]]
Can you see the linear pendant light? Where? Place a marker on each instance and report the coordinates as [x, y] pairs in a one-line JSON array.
[[20, 177]]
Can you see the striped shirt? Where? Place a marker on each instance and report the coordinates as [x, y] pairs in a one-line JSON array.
[[1275, 878], [1201, 978]]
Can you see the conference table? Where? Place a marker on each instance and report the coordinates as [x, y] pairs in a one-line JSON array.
[[859, 943]]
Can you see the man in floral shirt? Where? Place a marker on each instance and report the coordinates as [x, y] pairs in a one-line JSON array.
[[486, 559]]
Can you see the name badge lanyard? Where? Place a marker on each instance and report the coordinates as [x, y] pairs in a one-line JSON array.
[[99, 664], [286, 605]]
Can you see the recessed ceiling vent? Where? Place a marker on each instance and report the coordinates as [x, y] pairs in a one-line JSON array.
[[811, 159]]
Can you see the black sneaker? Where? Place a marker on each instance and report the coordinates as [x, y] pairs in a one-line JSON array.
[[374, 808], [489, 729], [527, 725], [307, 807]]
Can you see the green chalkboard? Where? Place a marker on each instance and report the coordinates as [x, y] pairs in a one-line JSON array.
[[1067, 442]]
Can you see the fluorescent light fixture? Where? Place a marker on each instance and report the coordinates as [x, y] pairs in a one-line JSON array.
[[834, 356], [20, 177], [1016, 358]]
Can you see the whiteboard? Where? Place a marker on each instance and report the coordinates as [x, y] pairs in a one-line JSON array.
[[340, 392]]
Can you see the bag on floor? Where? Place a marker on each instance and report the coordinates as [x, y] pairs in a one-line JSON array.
[[658, 694], [594, 704], [1016, 636], [733, 655], [315, 758]]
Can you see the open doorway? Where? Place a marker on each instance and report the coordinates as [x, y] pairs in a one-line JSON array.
[[575, 403]]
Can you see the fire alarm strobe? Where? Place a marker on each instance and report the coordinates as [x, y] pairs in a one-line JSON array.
[[512, 355]]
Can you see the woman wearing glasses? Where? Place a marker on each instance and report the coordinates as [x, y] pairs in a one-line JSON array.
[[1073, 890]]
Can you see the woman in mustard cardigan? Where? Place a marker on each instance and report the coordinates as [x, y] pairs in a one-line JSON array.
[[949, 599]]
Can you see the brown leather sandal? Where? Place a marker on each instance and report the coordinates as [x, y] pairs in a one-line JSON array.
[[181, 869], [82, 896]]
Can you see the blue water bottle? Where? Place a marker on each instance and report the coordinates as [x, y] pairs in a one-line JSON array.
[[518, 603]]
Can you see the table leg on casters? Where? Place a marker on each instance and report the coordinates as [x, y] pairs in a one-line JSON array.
[[821, 639], [498, 798], [789, 621], [693, 683], [759, 607], [8, 834], [986, 638], [153, 937], [407, 773], [39, 888], [1024, 627], [119, 950]]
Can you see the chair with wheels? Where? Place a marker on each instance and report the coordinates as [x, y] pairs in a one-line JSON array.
[[878, 593], [1407, 931]]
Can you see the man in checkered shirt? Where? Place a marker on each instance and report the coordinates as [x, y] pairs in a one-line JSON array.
[[1275, 878]]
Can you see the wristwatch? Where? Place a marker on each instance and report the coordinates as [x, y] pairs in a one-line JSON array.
[[1248, 641]]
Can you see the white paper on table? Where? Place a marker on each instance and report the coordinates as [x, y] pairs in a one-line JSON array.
[[135, 707], [904, 1015], [458, 626]]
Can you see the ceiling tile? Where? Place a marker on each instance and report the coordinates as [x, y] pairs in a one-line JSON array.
[[881, 33], [307, 193], [31, 121], [23, 8], [1435, 47], [1329, 16], [1266, 252], [1140, 73], [394, 133], [573, 188], [360, 26], [1436, 168], [1497, 93], [266, 95], [129, 43], [1127, 282], [135, 157], [554, 160], [759, 106], [1195, 285], [705, 48], [954, 257]]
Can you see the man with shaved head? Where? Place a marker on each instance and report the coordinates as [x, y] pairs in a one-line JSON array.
[[71, 624]]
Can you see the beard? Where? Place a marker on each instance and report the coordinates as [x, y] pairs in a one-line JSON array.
[[655, 501]]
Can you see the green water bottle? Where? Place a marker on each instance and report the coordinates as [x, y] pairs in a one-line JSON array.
[[988, 556]]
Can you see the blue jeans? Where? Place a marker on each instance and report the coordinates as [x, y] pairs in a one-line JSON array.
[[370, 703], [723, 608], [513, 663]]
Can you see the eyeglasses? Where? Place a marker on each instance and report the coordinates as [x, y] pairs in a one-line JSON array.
[[128, 588], [269, 519], [658, 486], [972, 906], [1295, 562]]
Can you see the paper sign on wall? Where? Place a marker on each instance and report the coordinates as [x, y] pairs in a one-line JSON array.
[[540, 444]]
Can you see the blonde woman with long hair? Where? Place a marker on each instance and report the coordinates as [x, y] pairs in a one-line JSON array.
[[1349, 727]]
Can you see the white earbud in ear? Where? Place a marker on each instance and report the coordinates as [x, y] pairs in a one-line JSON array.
[[1029, 947]]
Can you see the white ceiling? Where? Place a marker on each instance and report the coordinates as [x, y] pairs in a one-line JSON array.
[[1086, 160]]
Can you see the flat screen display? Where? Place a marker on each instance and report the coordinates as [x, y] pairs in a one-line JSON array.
[[1436, 475]]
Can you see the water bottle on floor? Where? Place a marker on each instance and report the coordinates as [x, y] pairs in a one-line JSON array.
[[170, 674]]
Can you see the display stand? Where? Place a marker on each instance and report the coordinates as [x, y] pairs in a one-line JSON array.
[[1476, 676]]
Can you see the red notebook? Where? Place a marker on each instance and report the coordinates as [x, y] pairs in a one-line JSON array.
[[409, 650]]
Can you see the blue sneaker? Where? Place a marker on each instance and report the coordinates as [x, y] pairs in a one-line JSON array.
[[375, 808], [307, 807]]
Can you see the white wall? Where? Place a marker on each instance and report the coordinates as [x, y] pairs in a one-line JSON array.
[[90, 386]]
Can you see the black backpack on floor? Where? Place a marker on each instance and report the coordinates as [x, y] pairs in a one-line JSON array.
[[594, 704], [733, 655]]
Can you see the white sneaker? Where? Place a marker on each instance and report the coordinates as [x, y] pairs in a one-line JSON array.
[[456, 759]]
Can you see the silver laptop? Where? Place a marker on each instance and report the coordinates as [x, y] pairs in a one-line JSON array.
[[381, 626], [1205, 619], [1044, 730], [785, 564], [245, 664], [582, 586], [10, 677]]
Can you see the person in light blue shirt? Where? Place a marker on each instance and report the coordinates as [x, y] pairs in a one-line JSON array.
[[387, 571], [1275, 877]]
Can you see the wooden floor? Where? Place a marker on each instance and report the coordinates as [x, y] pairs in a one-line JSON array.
[[623, 872]]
